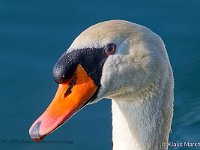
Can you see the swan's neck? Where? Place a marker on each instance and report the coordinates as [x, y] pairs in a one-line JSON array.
[[139, 125]]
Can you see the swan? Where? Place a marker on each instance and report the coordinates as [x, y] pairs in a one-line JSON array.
[[124, 62]]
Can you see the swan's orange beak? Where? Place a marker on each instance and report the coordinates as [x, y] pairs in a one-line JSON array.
[[69, 98]]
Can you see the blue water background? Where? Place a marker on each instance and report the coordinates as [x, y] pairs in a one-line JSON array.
[[33, 35]]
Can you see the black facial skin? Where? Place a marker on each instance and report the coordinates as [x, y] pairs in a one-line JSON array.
[[91, 59]]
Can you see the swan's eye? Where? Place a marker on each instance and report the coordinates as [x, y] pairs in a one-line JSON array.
[[110, 49]]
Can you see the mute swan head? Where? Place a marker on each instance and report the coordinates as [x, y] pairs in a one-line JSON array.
[[122, 61]]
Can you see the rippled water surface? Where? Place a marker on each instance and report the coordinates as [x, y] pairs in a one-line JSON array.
[[33, 35]]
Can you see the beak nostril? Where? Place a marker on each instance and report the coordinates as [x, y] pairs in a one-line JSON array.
[[71, 85]]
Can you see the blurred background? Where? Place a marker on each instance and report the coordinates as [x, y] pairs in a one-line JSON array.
[[34, 34]]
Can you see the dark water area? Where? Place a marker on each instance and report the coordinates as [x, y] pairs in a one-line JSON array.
[[33, 35]]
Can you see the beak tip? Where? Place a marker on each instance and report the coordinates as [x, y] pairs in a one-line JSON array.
[[34, 132], [37, 139]]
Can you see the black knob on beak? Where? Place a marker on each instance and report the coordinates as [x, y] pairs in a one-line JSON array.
[[91, 59], [66, 66]]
